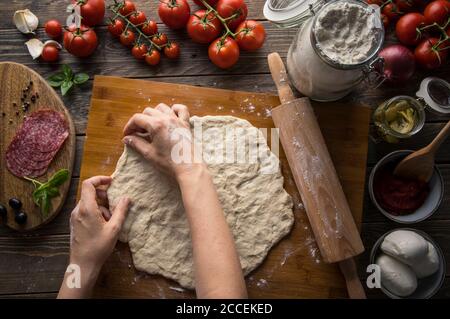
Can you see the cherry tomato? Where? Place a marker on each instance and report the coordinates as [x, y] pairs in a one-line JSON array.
[[150, 28], [250, 35], [116, 27], [229, 8], [153, 57], [377, 2], [437, 11], [224, 52], [385, 20], [127, 38], [428, 55], [81, 41], [203, 28], [212, 3], [139, 51], [92, 11], [127, 8], [391, 11], [174, 13], [405, 5], [53, 29], [50, 53], [138, 18], [407, 28], [172, 50], [160, 39]]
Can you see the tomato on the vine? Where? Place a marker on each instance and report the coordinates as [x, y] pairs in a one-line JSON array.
[[224, 52], [212, 3], [385, 21], [172, 50], [232, 8], [139, 51], [250, 35], [377, 2], [81, 41], [150, 28], [116, 27], [391, 11], [92, 11], [160, 39], [429, 55], [405, 5], [53, 29], [127, 38], [137, 18], [203, 28], [127, 7], [50, 53], [153, 57], [437, 12], [407, 28], [174, 13]]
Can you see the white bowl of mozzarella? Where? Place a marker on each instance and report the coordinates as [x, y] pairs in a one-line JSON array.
[[412, 265]]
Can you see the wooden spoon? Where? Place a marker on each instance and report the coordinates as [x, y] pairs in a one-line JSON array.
[[420, 164]]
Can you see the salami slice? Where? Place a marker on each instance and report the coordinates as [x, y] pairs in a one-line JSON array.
[[36, 143]]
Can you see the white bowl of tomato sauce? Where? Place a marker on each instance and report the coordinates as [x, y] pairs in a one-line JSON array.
[[403, 200]]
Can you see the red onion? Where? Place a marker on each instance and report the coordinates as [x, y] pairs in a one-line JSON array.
[[399, 63]]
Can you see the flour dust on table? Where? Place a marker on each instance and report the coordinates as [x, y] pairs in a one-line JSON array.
[[257, 208]]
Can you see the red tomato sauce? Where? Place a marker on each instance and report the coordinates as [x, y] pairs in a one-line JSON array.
[[396, 195]]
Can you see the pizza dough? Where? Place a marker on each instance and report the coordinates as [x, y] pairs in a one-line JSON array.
[[257, 208]]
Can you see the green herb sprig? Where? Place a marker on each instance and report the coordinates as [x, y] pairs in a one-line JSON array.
[[44, 192], [66, 79]]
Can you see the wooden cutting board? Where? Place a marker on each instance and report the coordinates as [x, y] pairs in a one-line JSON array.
[[14, 78], [293, 268]]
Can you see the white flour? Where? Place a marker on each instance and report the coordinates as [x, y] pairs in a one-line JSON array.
[[344, 32]]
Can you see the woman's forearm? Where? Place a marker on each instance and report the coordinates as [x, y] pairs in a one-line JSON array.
[[218, 272]]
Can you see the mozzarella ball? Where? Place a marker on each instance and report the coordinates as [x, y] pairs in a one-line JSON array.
[[406, 246], [429, 265], [396, 277]]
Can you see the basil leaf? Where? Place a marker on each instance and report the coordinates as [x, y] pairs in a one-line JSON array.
[[56, 79], [58, 178], [80, 78], [45, 204], [68, 73], [65, 87], [52, 192]]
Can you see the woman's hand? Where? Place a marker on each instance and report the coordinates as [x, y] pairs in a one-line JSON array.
[[162, 135], [94, 230]]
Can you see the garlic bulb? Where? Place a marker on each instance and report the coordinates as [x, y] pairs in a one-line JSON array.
[[35, 46], [26, 21]]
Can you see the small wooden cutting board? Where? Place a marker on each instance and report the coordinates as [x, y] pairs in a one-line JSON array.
[[14, 78], [293, 268]]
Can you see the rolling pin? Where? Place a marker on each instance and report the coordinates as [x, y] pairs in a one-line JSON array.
[[316, 179]]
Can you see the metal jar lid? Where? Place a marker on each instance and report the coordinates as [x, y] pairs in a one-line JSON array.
[[435, 92], [290, 13]]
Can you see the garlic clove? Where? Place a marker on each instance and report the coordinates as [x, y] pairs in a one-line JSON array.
[[35, 47], [53, 42], [25, 21]]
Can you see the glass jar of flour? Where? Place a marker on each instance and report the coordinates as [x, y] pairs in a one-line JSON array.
[[336, 46]]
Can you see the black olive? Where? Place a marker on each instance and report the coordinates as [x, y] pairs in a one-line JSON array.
[[3, 211], [15, 203], [20, 218]]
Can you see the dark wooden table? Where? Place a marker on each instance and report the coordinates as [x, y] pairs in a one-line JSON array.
[[33, 264]]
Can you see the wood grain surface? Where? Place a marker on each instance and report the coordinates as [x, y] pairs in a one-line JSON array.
[[294, 267], [14, 78], [43, 254]]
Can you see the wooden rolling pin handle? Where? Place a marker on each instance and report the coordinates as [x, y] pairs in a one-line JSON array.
[[354, 287], [280, 77]]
